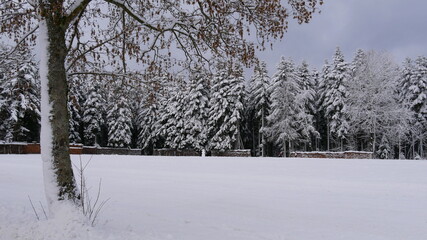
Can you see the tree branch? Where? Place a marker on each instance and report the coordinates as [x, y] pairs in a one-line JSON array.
[[111, 74], [22, 40], [78, 7], [133, 14], [90, 50]]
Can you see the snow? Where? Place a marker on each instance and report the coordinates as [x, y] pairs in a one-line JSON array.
[[74, 6], [46, 135], [225, 198]]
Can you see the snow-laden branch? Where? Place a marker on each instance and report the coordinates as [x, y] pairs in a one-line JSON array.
[[78, 7]]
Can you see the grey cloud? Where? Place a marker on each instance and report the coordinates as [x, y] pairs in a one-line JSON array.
[[396, 26]]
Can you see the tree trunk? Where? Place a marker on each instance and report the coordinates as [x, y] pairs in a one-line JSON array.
[[259, 148], [262, 133], [58, 173], [284, 147], [254, 141], [327, 135], [239, 141], [399, 146], [374, 143], [413, 146]]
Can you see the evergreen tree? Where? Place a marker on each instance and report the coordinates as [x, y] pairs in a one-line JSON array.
[[237, 98], [406, 82], [76, 99], [119, 120], [358, 61], [334, 100], [321, 118], [226, 108], [413, 92], [384, 150], [94, 107], [135, 92], [196, 111], [306, 81], [172, 121], [288, 120], [417, 90], [419, 104], [75, 119], [20, 98], [258, 104], [149, 114]]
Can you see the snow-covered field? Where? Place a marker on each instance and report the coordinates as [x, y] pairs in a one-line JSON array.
[[191, 198]]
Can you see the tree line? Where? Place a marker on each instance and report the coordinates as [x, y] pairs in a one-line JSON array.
[[366, 104]]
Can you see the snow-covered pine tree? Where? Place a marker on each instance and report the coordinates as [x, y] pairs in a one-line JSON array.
[[306, 81], [94, 107], [237, 98], [405, 81], [358, 61], [258, 105], [75, 119], [148, 115], [226, 108], [319, 119], [172, 120], [419, 105], [249, 125], [322, 125], [76, 99], [384, 150], [413, 90], [136, 94], [196, 111], [288, 120], [334, 100], [119, 120], [20, 98]]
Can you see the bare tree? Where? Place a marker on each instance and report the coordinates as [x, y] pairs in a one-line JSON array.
[[374, 109], [74, 34]]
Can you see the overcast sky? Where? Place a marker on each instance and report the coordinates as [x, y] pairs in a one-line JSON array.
[[396, 26]]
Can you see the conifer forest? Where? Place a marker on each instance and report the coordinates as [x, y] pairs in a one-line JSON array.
[[365, 102]]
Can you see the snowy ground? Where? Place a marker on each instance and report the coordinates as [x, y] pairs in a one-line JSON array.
[[190, 198]]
